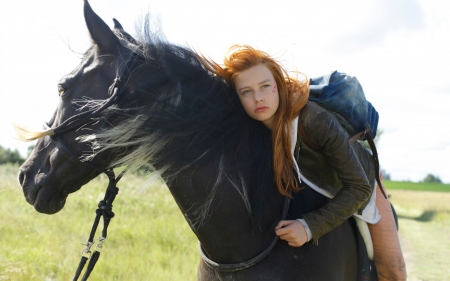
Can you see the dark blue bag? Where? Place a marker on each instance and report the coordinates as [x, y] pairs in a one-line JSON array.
[[343, 96]]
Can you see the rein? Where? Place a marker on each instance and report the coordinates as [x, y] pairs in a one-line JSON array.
[[231, 267], [104, 210], [104, 206]]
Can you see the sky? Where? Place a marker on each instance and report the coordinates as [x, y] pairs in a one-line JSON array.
[[398, 50]]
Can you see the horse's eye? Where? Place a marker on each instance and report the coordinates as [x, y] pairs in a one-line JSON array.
[[61, 91]]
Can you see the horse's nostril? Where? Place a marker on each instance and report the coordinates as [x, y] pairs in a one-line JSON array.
[[21, 178]]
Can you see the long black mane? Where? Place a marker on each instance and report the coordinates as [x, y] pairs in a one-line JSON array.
[[178, 115]]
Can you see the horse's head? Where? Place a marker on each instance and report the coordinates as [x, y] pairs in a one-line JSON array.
[[166, 111], [54, 170]]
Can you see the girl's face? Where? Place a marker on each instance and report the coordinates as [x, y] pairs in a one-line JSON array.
[[258, 92]]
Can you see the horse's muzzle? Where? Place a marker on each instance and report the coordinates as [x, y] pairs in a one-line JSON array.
[[44, 198]]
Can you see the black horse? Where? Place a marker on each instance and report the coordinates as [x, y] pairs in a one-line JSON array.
[[166, 111]]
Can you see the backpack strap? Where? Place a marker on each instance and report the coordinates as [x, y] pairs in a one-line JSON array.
[[375, 158], [356, 137], [366, 133]]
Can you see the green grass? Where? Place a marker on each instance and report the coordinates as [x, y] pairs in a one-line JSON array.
[[147, 240], [424, 220], [420, 186], [150, 240]]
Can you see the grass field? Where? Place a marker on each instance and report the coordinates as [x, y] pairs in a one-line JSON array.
[[417, 186], [424, 220], [149, 239]]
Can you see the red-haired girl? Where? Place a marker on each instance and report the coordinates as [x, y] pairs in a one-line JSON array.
[[338, 169]]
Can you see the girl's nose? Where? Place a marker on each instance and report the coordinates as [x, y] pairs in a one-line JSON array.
[[259, 97]]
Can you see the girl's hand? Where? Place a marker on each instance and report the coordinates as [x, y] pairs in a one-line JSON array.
[[292, 231]]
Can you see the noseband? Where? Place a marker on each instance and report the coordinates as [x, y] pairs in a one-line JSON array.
[[104, 210]]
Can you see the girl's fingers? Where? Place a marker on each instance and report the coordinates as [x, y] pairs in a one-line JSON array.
[[282, 224]]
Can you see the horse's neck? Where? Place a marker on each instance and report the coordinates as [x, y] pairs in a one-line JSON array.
[[228, 233]]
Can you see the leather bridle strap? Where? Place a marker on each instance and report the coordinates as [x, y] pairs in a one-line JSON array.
[[57, 138], [74, 122], [115, 91], [104, 210], [104, 206], [231, 267]]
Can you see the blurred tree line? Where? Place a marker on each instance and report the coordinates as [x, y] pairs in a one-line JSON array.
[[10, 156], [432, 178]]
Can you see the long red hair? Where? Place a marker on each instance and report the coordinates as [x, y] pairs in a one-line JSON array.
[[293, 96]]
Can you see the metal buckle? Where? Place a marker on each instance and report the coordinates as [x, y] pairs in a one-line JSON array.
[[86, 252], [99, 246]]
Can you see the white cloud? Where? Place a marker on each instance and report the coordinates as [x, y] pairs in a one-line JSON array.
[[371, 22]]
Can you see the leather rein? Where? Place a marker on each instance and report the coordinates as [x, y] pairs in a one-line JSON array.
[[104, 209], [231, 267]]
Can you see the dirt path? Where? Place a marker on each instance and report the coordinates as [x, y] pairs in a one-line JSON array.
[[408, 255], [424, 220]]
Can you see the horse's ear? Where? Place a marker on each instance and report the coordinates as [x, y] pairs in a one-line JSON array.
[[118, 28], [117, 24], [100, 32]]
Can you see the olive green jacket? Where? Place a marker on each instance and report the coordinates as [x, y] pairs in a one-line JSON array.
[[341, 169]]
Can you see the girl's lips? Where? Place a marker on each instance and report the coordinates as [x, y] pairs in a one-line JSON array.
[[261, 109]]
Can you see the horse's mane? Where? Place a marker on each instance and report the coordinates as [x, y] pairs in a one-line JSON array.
[[182, 116]]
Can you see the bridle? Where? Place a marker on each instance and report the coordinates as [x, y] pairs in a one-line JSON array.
[[231, 267], [104, 209]]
